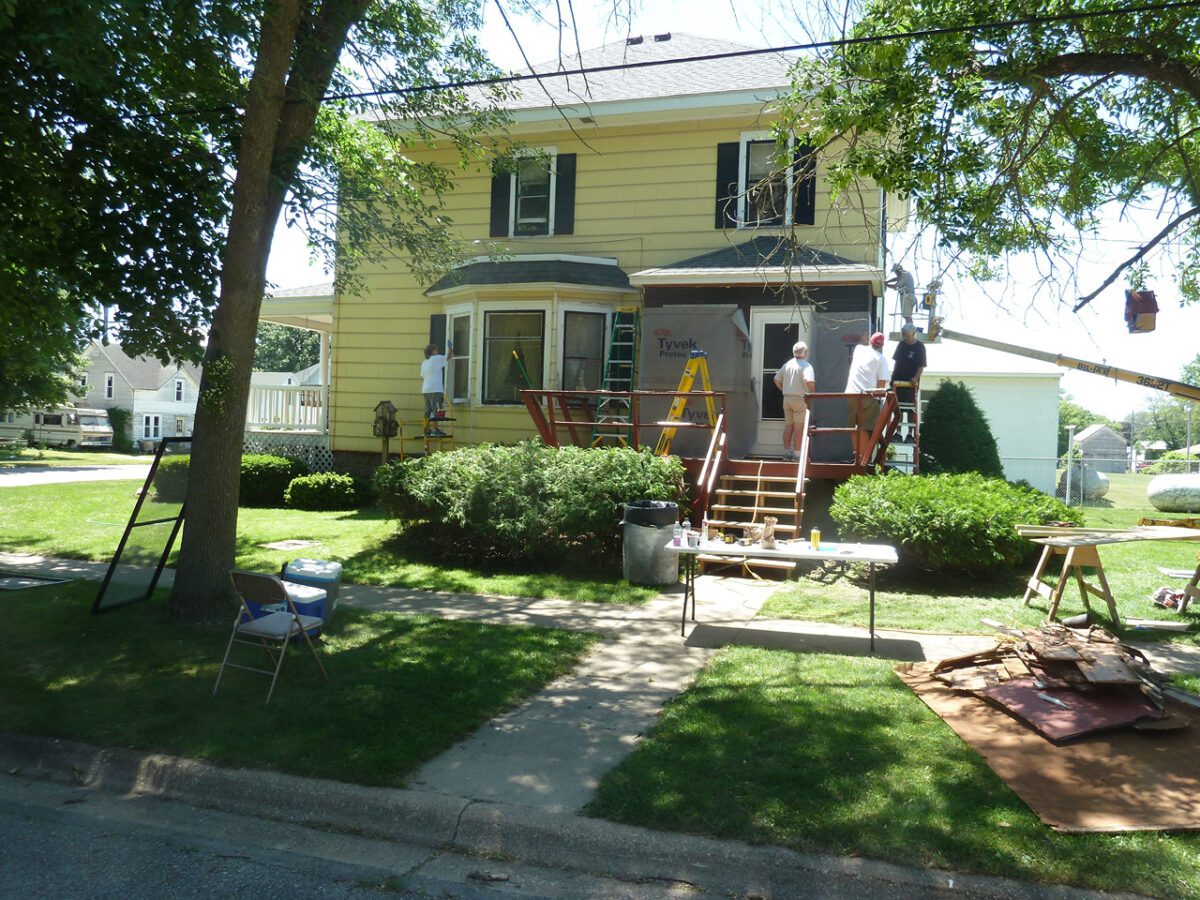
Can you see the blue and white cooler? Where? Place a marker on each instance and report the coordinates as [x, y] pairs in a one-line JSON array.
[[316, 573]]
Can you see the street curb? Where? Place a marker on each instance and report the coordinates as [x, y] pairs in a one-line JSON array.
[[482, 828]]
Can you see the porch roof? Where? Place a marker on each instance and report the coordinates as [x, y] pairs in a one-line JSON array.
[[761, 260], [586, 271], [309, 307]]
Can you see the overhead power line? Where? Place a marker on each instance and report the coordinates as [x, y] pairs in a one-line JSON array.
[[712, 57]]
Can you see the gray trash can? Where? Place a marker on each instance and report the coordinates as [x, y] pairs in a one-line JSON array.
[[648, 525]]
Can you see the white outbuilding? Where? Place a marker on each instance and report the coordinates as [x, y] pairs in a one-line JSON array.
[[1019, 396]]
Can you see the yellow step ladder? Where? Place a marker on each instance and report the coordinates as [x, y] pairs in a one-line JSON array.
[[697, 364]]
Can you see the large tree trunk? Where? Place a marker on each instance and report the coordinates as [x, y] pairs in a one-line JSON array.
[[281, 106]]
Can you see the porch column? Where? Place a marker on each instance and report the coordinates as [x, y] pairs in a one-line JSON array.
[[324, 363]]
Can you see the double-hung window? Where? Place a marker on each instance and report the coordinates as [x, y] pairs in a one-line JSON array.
[[758, 186], [458, 327], [110, 382], [582, 350], [151, 427], [513, 354], [534, 195], [178, 389]]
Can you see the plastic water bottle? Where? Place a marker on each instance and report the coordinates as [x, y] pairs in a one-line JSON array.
[[704, 529], [676, 535], [687, 525]]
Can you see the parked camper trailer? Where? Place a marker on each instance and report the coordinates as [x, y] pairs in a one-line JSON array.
[[64, 426]]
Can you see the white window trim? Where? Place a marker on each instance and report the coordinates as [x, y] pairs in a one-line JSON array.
[[179, 390], [552, 154], [110, 385], [560, 332], [151, 422], [461, 311], [750, 137], [83, 382]]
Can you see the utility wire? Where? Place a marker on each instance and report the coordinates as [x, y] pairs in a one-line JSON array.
[[712, 57]]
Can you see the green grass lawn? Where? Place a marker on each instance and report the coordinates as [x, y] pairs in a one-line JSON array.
[[85, 521], [27, 456], [401, 689], [835, 754]]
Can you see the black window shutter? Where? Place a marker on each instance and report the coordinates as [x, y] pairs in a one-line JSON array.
[[501, 186], [564, 194], [804, 175], [437, 330], [727, 184]]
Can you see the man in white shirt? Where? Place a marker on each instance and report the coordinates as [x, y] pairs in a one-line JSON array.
[[796, 380], [868, 372], [433, 386]]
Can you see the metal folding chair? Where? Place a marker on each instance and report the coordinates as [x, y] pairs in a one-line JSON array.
[[272, 630]]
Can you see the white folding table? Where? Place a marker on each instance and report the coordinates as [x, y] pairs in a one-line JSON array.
[[871, 554]]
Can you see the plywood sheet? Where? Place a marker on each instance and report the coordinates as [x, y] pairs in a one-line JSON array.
[[1061, 715], [1124, 780]]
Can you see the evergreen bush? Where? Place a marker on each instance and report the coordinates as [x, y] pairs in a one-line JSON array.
[[266, 477], [323, 491], [946, 523], [955, 436], [528, 501]]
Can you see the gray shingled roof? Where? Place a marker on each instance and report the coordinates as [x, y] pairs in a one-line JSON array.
[[760, 253], [520, 271], [767, 70], [144, 372]]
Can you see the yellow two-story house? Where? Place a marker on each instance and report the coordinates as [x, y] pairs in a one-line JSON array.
[[652, 187]]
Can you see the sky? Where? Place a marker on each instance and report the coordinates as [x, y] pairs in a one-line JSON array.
[[1014, 310]]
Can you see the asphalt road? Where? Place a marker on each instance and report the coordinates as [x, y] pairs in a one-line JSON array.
[[21, 476]]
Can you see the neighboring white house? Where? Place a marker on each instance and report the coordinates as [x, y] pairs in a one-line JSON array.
[[1019, 397], [1103, 449], [161, 398]]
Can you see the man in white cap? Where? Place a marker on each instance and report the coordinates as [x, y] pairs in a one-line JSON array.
[[796, 379], [868, 373], [904, 284]]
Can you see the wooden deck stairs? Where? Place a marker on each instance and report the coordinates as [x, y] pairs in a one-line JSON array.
[[748, 491]]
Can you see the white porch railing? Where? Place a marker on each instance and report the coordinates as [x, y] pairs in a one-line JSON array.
[[287, 408]]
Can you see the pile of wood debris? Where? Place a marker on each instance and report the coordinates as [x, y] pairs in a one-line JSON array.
[[1066, 683]]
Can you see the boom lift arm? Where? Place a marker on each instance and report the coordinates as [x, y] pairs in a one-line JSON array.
[[1178, 388]]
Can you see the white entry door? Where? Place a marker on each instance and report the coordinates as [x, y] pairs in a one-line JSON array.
[[773, 331]]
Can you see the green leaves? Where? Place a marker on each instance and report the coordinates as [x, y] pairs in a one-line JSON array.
[[946, 523], [529, 501], [1012, 137]]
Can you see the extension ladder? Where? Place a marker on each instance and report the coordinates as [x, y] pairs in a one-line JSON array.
[[697, 364], [614, 415]]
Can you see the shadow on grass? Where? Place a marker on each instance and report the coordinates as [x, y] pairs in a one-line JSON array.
[[401, 689], [830, 754]]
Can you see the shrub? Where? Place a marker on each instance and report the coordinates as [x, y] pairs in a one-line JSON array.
[[323, 490], [120, 418], [528, 501], [266, 477], [955, 436], [947, 523], [171, 478], [1174, 463]]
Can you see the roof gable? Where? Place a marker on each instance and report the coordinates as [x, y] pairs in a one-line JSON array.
[[143, 373]]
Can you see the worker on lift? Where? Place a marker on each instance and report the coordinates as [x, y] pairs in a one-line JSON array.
[[909, 359], [902, 280]]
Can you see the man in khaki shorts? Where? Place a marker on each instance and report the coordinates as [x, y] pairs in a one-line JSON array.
[[868, 372], [796, 379]]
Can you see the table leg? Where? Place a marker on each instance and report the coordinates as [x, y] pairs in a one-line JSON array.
[[689, 590], [872, 568]]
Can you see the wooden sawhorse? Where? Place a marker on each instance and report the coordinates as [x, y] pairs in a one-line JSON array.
[[1192, 590], [1076, 558]]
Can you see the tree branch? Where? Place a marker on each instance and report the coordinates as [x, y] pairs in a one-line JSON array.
[[1133, 260], [1135, 65]]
